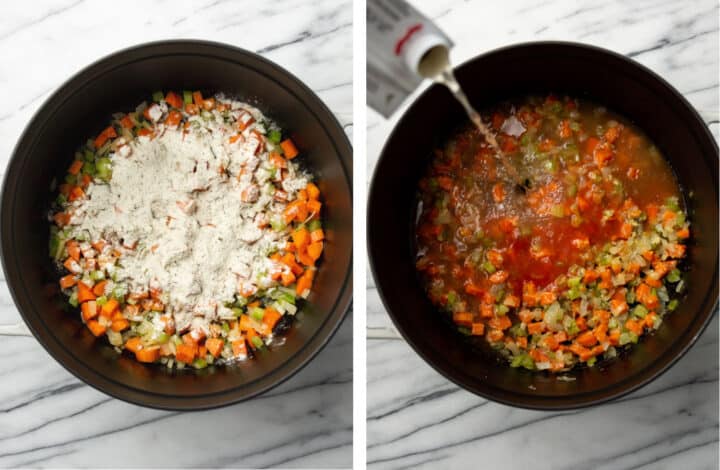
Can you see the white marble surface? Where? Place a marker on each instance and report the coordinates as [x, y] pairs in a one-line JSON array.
[[50, 419], [416, 418]]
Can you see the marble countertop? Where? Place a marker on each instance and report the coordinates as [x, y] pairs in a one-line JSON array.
[[417, 418], [50, 419]]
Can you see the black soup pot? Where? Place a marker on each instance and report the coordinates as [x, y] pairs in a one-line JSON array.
[[577, 70], [79, 110]]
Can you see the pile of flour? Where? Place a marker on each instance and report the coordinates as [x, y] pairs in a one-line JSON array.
[[174, 205]]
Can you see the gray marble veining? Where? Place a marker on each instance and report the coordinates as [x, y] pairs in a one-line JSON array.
[[418, 419], [50, 419]]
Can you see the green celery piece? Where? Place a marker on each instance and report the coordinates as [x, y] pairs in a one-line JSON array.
[[158, 96], [314, 225], [257, 341], [672, 305], [73, 299], [257, 313], [674, 276], [502, 309], [274, 136], [488, 267], [237, 311], [199, 363], [640, 311], [187, 97]]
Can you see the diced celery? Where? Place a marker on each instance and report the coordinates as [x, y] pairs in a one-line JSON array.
[[162, 338], [451, 298], [518, 330], [528, 362], [680, 287], [257, 341], [488, 267], [187, 97], [672, 305], [73, 299], [177, 340], [570, 326], [97, 275], [572, 190], [102, 300], [256, 313], [640, 311], [70, 179], [199, 363], [274, 136], [237, 312], [464, 331], [277, 224], [591, 362], [158, 96], [88, 155], [573, 282], [314, 225], [517, 360], [674, 276], [88, 168], [103, 168], [502, 309], [628, 337], [612, 323], [672, 203], [558, 210], [573, 293]]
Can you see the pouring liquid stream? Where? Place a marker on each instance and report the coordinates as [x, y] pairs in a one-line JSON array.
[[436, 66]]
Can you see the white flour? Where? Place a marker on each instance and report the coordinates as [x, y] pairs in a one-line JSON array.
[[181, 220]]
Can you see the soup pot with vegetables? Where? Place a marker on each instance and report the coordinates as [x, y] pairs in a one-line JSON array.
[[585, 281]]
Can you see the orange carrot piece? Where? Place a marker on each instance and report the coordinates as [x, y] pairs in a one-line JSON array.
[[289, 149], [99, 288], [84, 292], [96, 328], [174, 100], [587, 339], [197, 98], [120, 325], [305, 282], [271, 317], [498, 277], [214, 346], [89, 310], [239, 348], [314, 250], [76, 193], [301, 238], [75, 167], [73, 249], [173, 119], [537, 327], [110, 307], [463, 318], [498, 192], [68, 281], [287, 278], [317, 235], [500, 323], [127, 123], [547, 297], [148, 355], [133, 344], [108, 133], [312, 191], [185, 353], [478, 329]]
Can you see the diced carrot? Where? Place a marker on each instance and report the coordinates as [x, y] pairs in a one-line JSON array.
[[192, 109], [495, 257], [202, 349], [587, 339], [547, 297], [197, 98], [618, 306], [120, 324], [133, 344], [68, 281], [108, 133], [561, 336], [463, 318], [676, 251], [99, 288], [76, 192], [498, 192], [649, 319], [538, 356], [315, 249], [644, 294], [551, 342], [287, 278], [214, 346], [126, 122], [301, 238], [110, 307], [635, 326], [75, 167], [173, 119], [208, 104], [62, 218], [478, 329], [648, 255], [317, 235], [304, 283], [85, 181], [511, 300], [626, 230], [536, 327], [498, 277], [495, 335], [313, 191], [521, 342], [174, 100], [148, 355], [564, 129], [89, 310], [614, 337], [289, 260], [314, 206], [581, 323], [185, 353], [271, 317], [239, 348], [500, 323], [84, 292], [96, 328], [289, 149], [305, 259], [144, 132], [683, 233], [277, 160]]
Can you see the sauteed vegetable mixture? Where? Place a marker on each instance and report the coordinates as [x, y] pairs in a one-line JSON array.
[[580, 262]]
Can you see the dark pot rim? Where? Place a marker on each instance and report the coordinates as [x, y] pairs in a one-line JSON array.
[[74, 364], [570, 402]]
